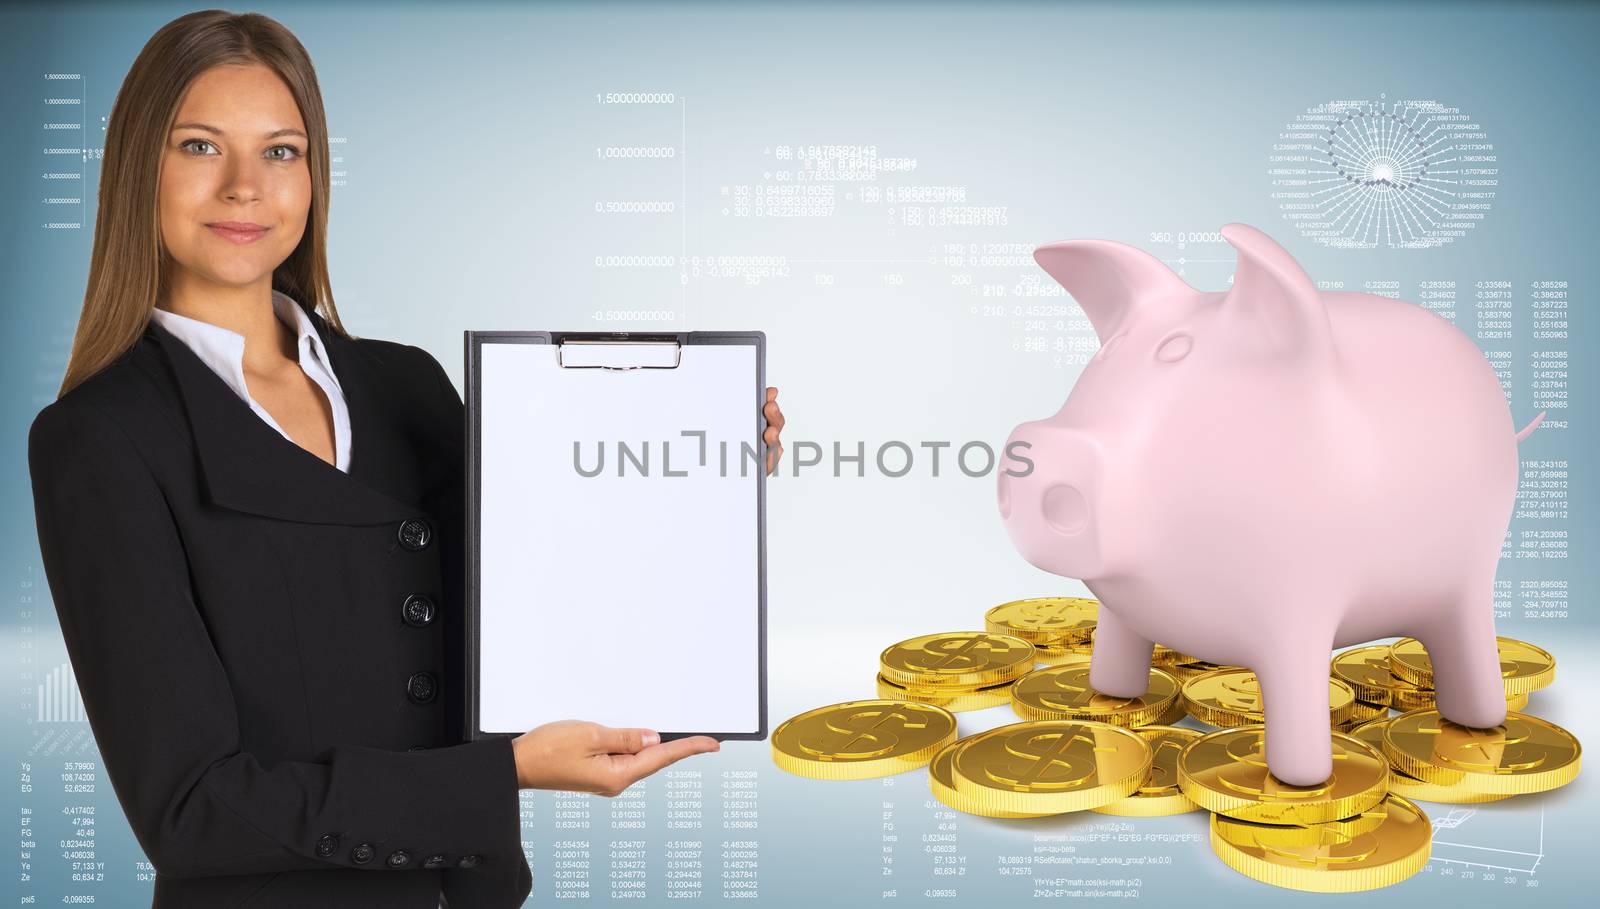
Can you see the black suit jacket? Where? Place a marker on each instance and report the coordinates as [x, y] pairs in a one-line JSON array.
[[245, 625]]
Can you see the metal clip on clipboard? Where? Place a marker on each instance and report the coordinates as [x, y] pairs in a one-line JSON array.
[[621, 354]]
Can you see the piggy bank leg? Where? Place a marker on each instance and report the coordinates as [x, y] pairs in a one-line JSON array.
[[1120, 663], [1466, 661], [1294, 694]]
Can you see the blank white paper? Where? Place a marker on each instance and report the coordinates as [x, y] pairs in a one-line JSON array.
[[626, 600]]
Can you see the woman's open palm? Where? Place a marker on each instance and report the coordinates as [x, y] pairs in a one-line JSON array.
[[588, 757]]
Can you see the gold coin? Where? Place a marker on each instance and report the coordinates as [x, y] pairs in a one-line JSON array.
[[860, 739], [946, 689], [1159, 793], [1366, 669], [1056, 656], [1338, 861], [1406, 696], [1422, 699], [1065, 652], [1362, 711], [1232, 697], [942, 780], [967, 659], [1402, 783], [1044, 620], [1050, 766], [1315, 834], [1174, 714], [949, 698], [1226, 772], [1164, 656], [1187, 671], [1409, 697], [1523, 667], [1522, 755], [1063, 693], [1084, 647]]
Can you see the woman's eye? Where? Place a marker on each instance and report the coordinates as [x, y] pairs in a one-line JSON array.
[[293, 152]]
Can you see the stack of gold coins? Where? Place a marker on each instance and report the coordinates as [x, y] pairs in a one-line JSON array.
[[1366, 671], [1084, 647], [1523, 755], [1232, 697], [1039, 768], [1059, 628], [861, 739], [1347, 834], [1402, 783], [1523, 669], [1063, 693], [956, 670], [1381, 846]]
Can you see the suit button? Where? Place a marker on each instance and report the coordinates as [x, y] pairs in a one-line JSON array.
[[327, 845], [398, 858], [469, 861], [415, 534], [434, 861], [417, 610], [362, 854], [421, 687]]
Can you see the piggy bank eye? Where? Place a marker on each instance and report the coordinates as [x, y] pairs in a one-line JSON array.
[[1174, 347], [1110, 346]]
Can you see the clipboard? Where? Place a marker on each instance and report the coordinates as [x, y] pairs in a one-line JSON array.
[[616, 541]]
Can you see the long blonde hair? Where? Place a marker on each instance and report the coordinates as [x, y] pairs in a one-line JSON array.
[[128, 267]]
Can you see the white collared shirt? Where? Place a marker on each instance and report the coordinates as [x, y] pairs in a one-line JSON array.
[[223, 351]]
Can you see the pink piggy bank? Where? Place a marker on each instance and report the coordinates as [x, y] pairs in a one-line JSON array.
[[1260, 475]]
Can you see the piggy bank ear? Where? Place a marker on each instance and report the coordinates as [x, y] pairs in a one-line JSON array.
[[1108, 279], [1275, 299]]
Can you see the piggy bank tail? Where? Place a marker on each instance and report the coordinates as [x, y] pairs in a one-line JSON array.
[[1528, 430]]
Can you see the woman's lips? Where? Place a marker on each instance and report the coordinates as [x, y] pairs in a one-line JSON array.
[[237, 234]]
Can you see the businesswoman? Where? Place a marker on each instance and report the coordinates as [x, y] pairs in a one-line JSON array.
[[252, 526]]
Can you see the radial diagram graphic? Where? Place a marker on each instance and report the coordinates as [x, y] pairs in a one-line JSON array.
[[1404, 174]]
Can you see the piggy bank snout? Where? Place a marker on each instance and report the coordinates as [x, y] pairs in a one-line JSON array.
[[1047, 496]]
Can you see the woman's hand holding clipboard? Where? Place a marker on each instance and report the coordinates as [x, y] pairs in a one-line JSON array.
[[588, 757]]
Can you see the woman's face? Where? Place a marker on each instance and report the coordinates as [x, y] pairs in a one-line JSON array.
[[236, 153]]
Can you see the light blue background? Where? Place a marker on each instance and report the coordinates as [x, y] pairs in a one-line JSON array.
[[470, 151]]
